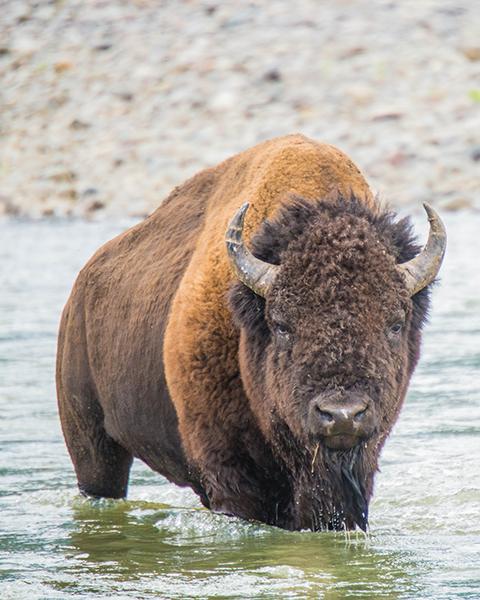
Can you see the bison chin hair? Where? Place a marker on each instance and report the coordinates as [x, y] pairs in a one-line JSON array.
[[338, 491], [331, 488]]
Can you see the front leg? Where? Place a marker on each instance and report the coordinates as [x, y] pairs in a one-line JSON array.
[[249, 487]]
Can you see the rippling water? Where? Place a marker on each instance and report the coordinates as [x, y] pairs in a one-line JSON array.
[[424, 539]]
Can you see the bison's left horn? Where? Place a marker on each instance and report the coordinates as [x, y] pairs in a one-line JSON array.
[[422, 270], [251, 271]]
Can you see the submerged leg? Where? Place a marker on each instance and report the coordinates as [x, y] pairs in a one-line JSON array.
[[101, 464]]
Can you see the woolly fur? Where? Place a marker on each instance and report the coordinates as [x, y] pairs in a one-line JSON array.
[[154, 362]]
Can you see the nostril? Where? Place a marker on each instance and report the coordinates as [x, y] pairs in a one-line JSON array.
[[359, 415], [325, 416]]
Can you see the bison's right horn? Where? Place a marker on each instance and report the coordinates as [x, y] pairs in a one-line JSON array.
[[251, 271], [422, 270]]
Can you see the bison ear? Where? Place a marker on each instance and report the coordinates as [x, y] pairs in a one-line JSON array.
[[254, 273], [422, 270], [248, 309]]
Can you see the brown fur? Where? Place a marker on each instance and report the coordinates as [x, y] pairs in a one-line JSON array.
[[152, 364]]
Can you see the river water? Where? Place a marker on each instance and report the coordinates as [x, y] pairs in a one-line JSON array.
[[424, 538]]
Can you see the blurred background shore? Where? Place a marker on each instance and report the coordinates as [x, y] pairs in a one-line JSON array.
[[107, 105]]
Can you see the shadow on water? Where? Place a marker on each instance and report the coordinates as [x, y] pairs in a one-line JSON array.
[[194, 553]]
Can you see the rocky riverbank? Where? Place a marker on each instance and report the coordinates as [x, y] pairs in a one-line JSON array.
[[106, 105]]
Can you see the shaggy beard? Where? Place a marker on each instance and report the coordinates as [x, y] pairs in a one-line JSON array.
[[330, 493], [330, 489]]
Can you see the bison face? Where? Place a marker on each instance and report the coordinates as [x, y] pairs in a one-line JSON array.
[[336, 364], [330, 322], [336, 371]]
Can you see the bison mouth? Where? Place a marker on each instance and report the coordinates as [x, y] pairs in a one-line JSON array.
[[341, 442]]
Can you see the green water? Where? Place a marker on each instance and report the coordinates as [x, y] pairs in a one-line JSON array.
[[424, 538]]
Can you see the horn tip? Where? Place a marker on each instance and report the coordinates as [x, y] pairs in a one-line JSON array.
[[243, 209], [435, 221], [429, 210], [236, 223], [241, 212]]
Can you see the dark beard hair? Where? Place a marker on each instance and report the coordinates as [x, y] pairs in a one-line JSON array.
[[330, 489]]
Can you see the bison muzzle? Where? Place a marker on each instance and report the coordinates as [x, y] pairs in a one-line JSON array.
[[341, 422], [265, 366]]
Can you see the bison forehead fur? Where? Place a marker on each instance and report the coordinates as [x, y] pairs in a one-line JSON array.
[[272, 408]]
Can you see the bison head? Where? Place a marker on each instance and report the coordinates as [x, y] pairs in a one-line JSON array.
[[330, 305]]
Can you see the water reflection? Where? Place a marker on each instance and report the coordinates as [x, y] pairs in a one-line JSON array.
[[129, 540]]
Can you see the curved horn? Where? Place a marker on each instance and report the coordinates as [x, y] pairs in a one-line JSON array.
[[251, 271], [422, 270]]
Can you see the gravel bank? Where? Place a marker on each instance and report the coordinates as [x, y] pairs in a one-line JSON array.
[[106, 105]]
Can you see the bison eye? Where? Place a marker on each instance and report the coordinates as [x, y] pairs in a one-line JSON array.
[[397, 328], [397, 323], [280, 326], [283, 335]]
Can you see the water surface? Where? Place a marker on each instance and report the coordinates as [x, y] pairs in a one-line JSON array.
[[424, 539]]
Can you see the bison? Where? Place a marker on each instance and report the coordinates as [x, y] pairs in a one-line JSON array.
[[263, 367]]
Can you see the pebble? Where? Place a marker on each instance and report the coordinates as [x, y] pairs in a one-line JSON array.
[[106, 106]]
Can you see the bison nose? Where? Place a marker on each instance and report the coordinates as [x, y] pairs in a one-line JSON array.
[[353, 419]]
